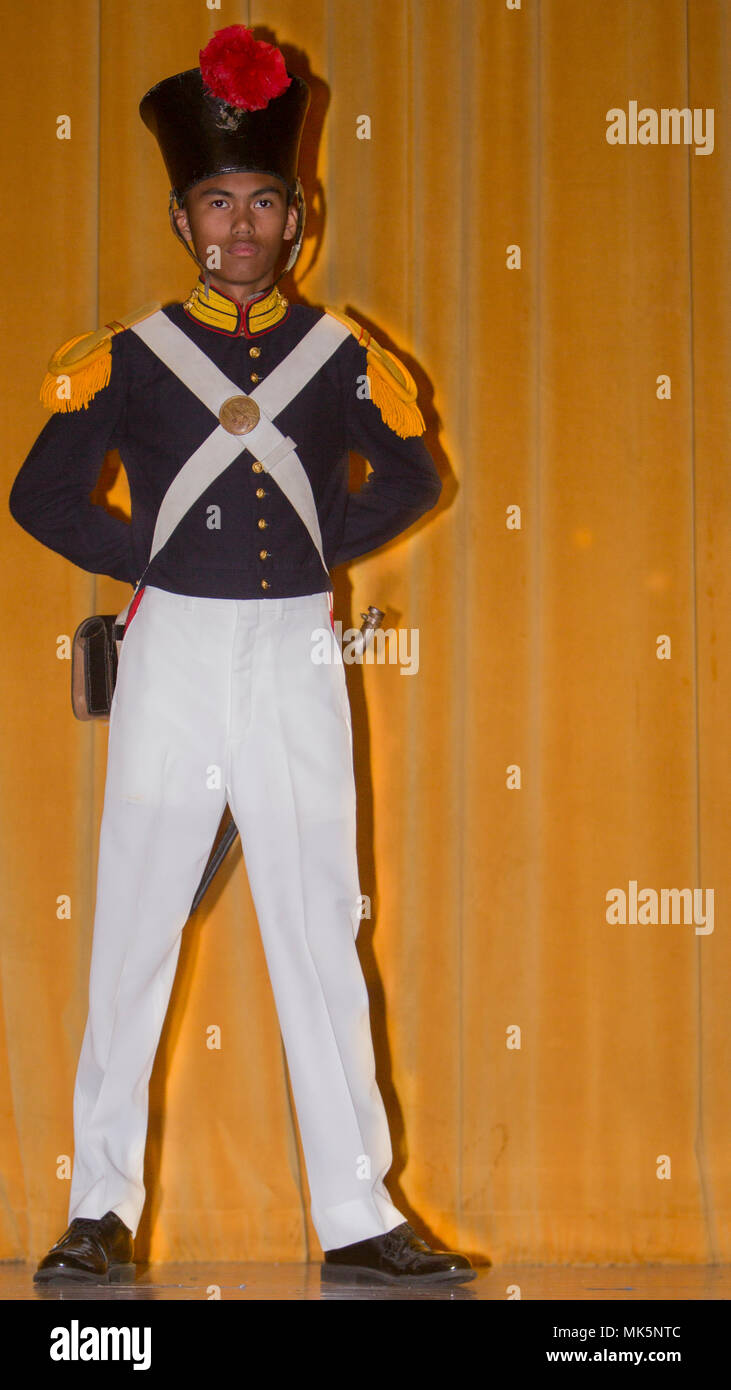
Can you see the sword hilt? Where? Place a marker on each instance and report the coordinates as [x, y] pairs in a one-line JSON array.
[[372, 618]]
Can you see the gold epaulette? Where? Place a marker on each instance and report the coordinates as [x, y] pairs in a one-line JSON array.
[[392, 387], [83, 365]]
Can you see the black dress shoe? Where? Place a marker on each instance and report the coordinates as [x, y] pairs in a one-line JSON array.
[[91, 1250], [399, 1256]]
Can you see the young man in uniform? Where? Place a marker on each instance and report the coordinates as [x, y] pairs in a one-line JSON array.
[[250, 404]]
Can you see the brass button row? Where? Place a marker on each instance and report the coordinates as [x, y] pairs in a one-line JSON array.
[[260, 492]]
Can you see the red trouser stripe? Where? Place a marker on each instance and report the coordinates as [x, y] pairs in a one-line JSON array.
[[133, 609]]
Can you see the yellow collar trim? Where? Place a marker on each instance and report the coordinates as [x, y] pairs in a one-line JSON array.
[[225, 315]]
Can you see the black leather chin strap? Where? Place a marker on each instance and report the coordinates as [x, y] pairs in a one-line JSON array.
[[296, 243]]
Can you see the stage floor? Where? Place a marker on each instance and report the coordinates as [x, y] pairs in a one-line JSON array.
[[302, 1283]]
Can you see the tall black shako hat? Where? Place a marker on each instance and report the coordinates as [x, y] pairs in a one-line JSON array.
[[239, 111]]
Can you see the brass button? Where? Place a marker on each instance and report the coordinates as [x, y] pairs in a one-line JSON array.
[[253, 376], [264, 584], [261, 523], [263, 554], [260, 492], [254, 352], [257, 467], [284, 302]]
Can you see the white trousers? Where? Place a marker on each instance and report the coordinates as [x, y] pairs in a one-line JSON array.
[[219, 699]]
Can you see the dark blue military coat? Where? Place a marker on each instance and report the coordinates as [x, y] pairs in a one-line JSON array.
[[156, 423]]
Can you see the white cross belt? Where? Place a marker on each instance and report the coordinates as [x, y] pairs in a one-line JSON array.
[[276, 452]]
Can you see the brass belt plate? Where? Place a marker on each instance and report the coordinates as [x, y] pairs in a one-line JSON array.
[[239, 414]]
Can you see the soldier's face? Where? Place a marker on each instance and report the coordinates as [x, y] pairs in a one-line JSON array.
[[237, 223]]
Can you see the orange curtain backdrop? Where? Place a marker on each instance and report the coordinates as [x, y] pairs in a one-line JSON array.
[[541, 284]]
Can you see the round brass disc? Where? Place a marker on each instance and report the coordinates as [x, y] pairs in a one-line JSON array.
[[239, 414]]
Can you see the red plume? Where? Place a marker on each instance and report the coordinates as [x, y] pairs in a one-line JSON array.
[[241, 70]]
